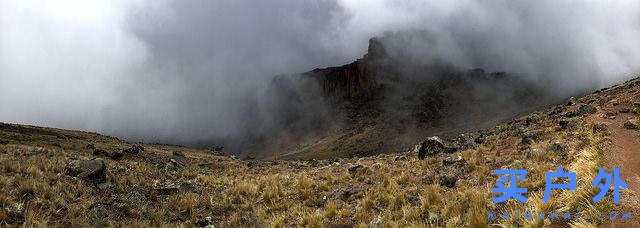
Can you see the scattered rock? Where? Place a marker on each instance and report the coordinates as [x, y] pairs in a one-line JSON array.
[[344, 193], [609, 115], [104, 185], [583, 110], [614, 102], [534, 152], [448, 180], [531, 136], [566, 124], [205, 222], [179, 153], [454, 160], [463, 142], [599, 127], [572, 101], [91, 146], [376, 222], [134, 150], [401, 158], [115, 154], [625, 110], [481, 139], [11, 217], [559, 148], [336, 161], [217, 150], [94, 171], [433, 146], [632, 124], [353, 170]]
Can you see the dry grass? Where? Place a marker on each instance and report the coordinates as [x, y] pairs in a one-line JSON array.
[[383, 191]]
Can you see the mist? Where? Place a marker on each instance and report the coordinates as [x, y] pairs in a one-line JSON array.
[[193, 72]]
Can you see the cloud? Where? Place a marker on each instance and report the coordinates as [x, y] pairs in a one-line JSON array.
[[191, 71]]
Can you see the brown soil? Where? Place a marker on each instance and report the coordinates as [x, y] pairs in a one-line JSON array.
[[622, 153]]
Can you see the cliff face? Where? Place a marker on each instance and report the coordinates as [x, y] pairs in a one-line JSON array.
[[357, 80]]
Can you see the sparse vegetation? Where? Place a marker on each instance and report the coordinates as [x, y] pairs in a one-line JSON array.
[[157, 187]]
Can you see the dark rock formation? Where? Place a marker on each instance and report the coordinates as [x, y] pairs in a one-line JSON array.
[[433, 146]]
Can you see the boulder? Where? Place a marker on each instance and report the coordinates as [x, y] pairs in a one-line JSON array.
[[632, 124], [433, 146], [94, 171]]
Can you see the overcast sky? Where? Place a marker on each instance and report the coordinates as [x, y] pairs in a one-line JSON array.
[[185, 70]]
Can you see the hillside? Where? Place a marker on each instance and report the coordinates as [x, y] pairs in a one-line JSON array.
[[388, 100], [55, 177]]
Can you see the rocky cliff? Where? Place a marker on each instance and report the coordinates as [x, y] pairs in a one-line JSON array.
[[387, 100]]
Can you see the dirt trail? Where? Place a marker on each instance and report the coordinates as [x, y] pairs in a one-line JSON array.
[[623, 153]]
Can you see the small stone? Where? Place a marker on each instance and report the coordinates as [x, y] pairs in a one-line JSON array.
[[91, 146], [625, 110]]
